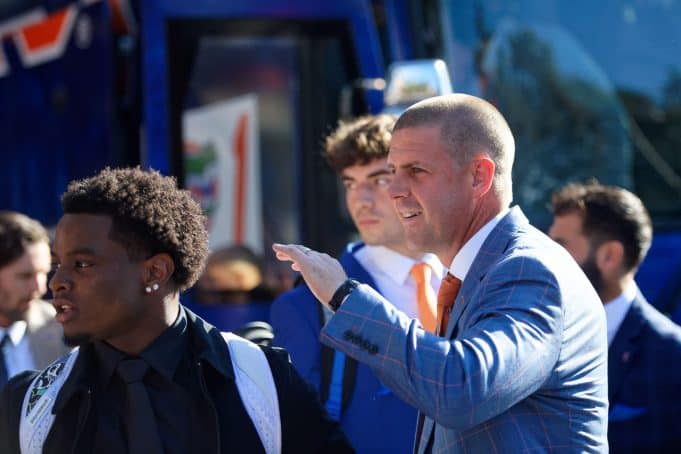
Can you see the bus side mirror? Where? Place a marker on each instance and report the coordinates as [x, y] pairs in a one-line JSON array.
[[407, 82], [411, 81]]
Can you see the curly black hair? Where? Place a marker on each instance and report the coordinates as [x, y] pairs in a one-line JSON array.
[[150, 215]]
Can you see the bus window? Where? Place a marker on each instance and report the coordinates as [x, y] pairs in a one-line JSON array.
[[250, 103], [589, 89]]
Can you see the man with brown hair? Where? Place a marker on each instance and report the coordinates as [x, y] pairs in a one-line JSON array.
[[372, 416], [608, 232], [29, 335]]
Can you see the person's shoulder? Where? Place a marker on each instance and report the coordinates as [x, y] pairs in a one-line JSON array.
[[666, 333], [18, 384], [11, 400], [534, 252], [522, 258], [14, 390], [280, 363], [276, 356]]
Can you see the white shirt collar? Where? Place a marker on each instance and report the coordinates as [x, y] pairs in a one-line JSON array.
[[464, 258], [616, 309], [396, 265], [16, 331]]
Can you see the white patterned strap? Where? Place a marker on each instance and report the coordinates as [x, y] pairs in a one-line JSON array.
[[36, 411], [257, 390]]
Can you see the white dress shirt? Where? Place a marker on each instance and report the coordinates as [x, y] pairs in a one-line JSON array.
[[391, 273], [616, 309], [17, 352], [464, 258]]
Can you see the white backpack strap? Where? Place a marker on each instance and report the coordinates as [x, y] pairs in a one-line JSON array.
[[36, 411], [257, 390]]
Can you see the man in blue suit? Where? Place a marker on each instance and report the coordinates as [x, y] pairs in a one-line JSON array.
[[521, 365], [371, 415], [608, 232]]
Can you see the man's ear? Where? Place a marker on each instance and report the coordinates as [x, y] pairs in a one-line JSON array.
[[610, 259], [482, 169], [158, 269]]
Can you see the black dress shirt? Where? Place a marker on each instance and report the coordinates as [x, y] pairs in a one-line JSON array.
[[170, 389]]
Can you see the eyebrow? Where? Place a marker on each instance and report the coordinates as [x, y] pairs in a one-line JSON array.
[[81, 251], [410, 164], [379, 172], [371, 175]]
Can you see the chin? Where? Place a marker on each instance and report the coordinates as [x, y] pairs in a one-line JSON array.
[[414, 244], [75, 340]]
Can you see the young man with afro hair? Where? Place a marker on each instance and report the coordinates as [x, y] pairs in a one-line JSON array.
[[129, 242]]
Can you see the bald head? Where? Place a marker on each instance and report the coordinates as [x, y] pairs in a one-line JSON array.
[[469, 126]]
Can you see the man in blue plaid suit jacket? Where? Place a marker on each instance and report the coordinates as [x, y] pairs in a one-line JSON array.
[[522, 364], [608, 231]]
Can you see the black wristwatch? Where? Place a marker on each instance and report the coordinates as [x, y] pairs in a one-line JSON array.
[[339, 295]]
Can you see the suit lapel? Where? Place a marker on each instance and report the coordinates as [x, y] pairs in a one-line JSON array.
[[623, 348], [492, 248], [353, 268]]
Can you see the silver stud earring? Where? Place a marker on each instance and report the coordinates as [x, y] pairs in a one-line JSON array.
[[147, 289], [154, 287]]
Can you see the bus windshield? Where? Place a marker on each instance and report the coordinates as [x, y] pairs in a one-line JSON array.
[[590, 89]]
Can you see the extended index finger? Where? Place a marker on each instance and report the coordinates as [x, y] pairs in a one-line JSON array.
[[290, 252]]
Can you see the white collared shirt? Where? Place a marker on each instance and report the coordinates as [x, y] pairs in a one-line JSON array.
[[17, 352], [391, 273], [616, 309], [464, 258]]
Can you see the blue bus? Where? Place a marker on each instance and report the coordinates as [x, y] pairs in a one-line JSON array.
[[233, 98]]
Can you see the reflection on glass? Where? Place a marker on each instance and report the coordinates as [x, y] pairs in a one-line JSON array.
[[591, 89], [225, 71]]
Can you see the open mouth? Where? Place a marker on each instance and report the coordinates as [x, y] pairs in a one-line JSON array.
[[65, 310], [409, 214]]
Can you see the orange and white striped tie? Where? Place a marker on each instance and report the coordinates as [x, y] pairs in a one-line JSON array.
[[425, 296]]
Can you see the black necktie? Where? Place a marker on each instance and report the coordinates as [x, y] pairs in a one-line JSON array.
[[4, 373], [139, 420]]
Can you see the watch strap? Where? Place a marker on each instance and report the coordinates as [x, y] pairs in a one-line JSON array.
[[341, 292]]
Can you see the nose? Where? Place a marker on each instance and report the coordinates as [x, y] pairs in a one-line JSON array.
[[361, 197], [398, 187], [365, 196], [59, 281]]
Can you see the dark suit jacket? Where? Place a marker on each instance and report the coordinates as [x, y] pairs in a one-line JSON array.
[[375, 420], [644, 372], [225, 425]]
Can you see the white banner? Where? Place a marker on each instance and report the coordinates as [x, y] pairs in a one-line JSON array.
[[222, 169]]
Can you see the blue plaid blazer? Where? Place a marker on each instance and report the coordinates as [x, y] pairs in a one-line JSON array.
[[523, 365], [644, 373]]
